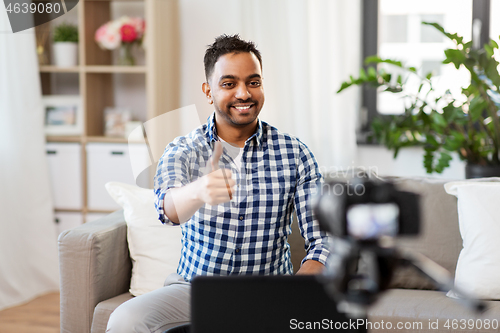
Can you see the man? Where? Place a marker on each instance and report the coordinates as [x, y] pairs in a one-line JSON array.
[[234, 219]]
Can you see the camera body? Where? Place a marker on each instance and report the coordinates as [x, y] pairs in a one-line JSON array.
[[357, 214], [366, 210]]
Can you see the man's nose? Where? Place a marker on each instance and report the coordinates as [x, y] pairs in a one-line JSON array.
[[242, 92]]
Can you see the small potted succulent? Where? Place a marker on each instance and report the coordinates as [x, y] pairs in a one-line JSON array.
[[468, 125], [65, 45]]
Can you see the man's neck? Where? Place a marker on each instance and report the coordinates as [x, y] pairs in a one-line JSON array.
[[235, 135]]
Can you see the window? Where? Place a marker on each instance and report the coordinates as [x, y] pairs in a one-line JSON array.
[[393, 29]]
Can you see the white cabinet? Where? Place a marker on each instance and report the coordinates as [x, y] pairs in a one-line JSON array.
[[65, 172], [67, 220], [108, 162]]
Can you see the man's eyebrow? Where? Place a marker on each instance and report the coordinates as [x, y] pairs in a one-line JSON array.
[[233, 77], [224, 77]]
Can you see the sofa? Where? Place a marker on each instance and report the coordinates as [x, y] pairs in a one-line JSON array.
[[95, 272]]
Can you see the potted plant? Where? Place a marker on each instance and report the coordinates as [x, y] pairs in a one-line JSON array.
[[65, 46], [467, 124]]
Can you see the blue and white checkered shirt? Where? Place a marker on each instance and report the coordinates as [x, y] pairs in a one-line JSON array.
[[247, 235]]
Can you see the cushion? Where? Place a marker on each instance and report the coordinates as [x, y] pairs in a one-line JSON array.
[[439, 237], [478, 270], [155, 248], [429, 311]]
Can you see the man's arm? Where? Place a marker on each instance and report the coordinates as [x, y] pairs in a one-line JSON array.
[[310, 267], [316, 240], [181, 203]]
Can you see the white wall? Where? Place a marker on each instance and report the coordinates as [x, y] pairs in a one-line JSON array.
[[408, 163]]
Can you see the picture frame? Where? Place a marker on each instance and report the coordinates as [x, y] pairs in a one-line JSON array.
[[63, 114], [115, 121]]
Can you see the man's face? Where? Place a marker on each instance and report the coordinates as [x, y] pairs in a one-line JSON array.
[[235, 88]]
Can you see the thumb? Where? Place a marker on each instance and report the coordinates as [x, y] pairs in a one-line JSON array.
[[214, 160]]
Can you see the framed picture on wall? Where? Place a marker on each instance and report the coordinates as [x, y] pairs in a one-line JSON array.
[[116, 120], [63, 115]]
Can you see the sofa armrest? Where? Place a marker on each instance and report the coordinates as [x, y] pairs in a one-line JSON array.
[[94, 265]]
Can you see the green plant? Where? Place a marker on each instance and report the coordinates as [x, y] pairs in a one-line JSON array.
[[65, 32], [467, 124]]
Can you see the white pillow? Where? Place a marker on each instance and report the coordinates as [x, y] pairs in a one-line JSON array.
[[155, 249], [478, 267]]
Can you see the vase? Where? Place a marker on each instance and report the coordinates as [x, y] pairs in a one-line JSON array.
[[65, 54], [481, 171], [126, 58]]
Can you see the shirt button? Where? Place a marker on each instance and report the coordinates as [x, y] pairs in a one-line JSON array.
[[237, 250], [241, 217]]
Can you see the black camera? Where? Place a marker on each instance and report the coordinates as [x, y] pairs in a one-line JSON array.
[[366, 210], [359, 214]]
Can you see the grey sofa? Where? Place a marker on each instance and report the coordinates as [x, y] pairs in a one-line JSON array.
[[95, 271]]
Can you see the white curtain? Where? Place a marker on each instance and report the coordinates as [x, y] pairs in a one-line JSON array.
[[28, 245], [308, 47]]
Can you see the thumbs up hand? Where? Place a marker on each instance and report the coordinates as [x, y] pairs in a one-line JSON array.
[[216, 187]]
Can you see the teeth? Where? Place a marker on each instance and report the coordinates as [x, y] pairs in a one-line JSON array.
[[243, 107]]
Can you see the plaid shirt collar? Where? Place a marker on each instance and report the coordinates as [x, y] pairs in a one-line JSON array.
[[212, 131]]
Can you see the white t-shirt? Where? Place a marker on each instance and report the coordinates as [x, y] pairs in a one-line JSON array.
[[236, 153]]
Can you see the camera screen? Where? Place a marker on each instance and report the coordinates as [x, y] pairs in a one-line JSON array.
[[371, 221]]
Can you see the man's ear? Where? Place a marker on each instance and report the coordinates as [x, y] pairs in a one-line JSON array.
[[208, 93]]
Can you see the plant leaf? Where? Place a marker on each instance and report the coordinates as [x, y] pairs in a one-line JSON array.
[[456, 57], [362, 74], [344, 86], [438, 119], [458, 39], [429, 161]]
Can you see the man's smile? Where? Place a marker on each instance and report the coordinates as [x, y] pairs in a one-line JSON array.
[[242, 107]]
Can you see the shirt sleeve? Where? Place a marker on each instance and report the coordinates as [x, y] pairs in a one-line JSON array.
[[309, 179], [172, 171]]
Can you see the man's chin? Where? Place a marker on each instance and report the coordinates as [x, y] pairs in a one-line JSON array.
[[243, 119]]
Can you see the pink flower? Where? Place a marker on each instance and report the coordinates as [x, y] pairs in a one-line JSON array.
[[139, 25], [128, 33], [100, 33], [107, 37], [123, 30]]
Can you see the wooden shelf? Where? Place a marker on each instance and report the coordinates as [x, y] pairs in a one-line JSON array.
[[106, 139], [115, 69], [101, 211], [55, 69], [94, 69], [54, 138], [63, 210], [99, 86]]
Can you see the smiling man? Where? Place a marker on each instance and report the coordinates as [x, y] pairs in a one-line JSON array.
[[232, 184]]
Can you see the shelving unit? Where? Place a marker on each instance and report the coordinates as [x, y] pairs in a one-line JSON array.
[[97, 76]]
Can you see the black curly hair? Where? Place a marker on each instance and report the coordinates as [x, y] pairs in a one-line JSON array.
[[225, 44]]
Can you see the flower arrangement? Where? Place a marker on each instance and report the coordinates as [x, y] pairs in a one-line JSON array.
[[121, 33]]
